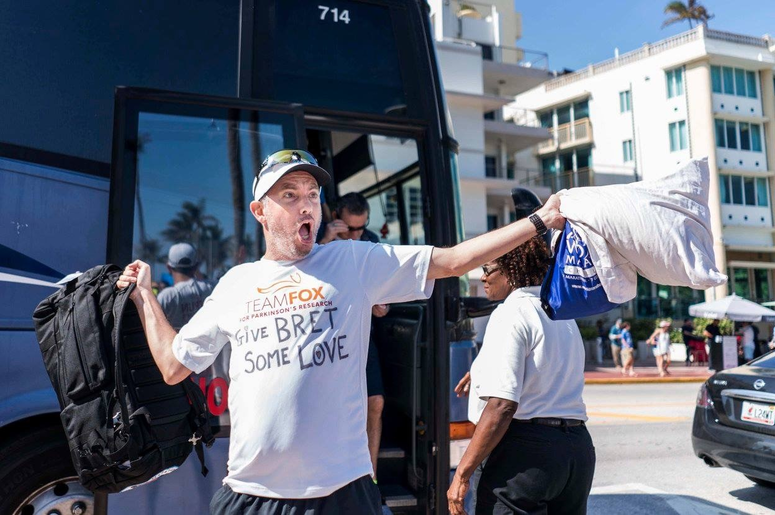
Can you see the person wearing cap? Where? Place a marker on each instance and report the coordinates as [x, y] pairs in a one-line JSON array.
[[660, 339], [298, 322], [187, 293]]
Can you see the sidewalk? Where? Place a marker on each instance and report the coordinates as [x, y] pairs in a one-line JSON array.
[[602, 374]]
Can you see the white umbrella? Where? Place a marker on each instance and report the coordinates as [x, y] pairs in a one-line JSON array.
[[734, 308]]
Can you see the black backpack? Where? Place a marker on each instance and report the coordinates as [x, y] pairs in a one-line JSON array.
[[124, 424]]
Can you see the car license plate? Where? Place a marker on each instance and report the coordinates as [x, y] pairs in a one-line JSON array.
[[758, 413]]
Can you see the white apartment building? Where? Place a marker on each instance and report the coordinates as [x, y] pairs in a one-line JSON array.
[[482, 72], [700, 93]]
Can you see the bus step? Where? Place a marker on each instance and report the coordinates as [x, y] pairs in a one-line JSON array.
[[396, 496], [391, 453]]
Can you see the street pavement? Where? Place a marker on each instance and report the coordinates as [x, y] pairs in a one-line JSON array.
[[645, 462]]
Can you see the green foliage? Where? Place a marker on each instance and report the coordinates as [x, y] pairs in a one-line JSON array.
[[727, 326], [588, 332], [643, 327]]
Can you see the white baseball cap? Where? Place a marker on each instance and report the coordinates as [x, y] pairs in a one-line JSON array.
[[283, 162]]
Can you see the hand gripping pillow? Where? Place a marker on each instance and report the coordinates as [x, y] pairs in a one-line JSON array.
[[659, 228]]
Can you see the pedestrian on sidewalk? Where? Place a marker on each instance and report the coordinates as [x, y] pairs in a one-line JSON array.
[[531, 451], [687, 331], [749, 341], [628, 359], [660, 339], [615, 337]]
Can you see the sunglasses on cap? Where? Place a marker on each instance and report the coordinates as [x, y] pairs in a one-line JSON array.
[[284, 157]]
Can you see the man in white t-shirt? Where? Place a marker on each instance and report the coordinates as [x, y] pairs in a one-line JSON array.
[[298, 321]]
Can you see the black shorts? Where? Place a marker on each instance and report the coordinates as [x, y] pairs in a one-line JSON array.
[[537, 469], [373, 372], [359, 497]]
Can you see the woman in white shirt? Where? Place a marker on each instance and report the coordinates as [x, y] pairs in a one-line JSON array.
[[530, 452], [660, 339]]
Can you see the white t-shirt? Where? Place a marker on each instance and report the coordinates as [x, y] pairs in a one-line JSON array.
[[748, 337], [530, 359], [299, 333]]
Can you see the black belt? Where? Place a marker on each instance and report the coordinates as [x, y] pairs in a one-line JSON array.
[[554, 422]]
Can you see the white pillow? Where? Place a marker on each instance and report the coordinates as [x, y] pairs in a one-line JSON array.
[[659, 228]]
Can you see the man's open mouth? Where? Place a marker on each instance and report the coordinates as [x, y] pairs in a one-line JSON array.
[[305, 232]]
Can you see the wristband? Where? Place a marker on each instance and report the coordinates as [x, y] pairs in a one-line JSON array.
[[539, 224]]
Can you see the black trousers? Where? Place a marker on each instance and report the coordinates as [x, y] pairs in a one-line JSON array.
[[361, 497], [537, 469]]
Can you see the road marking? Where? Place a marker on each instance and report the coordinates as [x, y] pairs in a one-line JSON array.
[[639, 405], [642, 418], [681, 505]]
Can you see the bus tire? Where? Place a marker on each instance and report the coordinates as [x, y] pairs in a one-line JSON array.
[[37, 475]]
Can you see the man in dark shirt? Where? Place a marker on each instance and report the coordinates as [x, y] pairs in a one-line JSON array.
[[712, 332]]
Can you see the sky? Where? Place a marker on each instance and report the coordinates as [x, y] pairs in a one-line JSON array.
[[575, 33]]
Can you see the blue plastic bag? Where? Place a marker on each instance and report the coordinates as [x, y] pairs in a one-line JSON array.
[[571, 288]]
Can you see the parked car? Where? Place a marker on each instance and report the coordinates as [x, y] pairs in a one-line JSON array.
[[734, 421]]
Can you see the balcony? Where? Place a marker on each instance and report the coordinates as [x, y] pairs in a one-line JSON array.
[[536, 179], [567, 135], [517, 133]]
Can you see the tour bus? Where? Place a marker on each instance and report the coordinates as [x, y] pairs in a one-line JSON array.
[[130, 126]]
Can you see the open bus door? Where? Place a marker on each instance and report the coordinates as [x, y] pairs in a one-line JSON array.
[[183, 171]]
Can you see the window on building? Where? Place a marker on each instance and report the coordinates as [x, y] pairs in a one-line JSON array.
[[625, 101], [546, 119], [735, 81], [724, 187], [492, 222], [742, 135], [581, 110], [678, 138], [745, 136], [749, 191], [756, 137], [487, 54], [675, 82], [729, 80], [583, 158], [489, 115], [740, 279], [762, 192], [549, 165], [744, 191], [751, 83], [740, 82], [490, 166], [627, 150], [510, 170], [761, 281], [715, 79], [737, 189], [731, 134], [721, 135], [563, 115]]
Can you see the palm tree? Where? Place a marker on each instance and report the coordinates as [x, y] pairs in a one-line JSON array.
[[690, 11], [255, 159], [190, 224]]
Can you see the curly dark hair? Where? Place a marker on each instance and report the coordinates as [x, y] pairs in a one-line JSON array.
[[526, 265]]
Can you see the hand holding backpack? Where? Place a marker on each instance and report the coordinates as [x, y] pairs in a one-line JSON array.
[[125, 426]]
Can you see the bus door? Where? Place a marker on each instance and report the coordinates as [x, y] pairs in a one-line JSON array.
[[388, 168]]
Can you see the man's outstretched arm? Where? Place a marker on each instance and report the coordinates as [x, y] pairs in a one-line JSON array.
[[158, 331], [456, 261]]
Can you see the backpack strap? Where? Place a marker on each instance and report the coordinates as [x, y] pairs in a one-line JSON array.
[[118, 309], [200, 422]]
